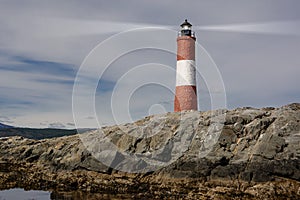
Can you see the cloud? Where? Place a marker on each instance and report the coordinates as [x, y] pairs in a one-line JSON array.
[[5, 119], [29, 89], [268, 28], [56, 125], [43, 43]]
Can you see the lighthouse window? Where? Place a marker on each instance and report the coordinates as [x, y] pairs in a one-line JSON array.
[[186, 32]]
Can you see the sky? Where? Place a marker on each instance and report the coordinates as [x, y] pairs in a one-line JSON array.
[[80, 62]]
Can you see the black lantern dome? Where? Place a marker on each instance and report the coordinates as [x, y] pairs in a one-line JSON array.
[[186, 29]]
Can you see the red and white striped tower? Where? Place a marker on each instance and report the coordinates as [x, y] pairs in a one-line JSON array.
[[186, 92]]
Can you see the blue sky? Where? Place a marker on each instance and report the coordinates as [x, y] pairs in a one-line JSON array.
[[254, 44]]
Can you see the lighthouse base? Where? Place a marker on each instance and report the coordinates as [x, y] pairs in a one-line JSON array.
[[185, 98]]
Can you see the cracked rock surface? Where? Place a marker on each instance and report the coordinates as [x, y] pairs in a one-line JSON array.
[[247, 152]]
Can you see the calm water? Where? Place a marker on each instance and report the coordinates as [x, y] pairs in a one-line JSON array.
[[21, 194]]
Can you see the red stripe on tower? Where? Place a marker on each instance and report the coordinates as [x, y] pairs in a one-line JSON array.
[[186, 91]]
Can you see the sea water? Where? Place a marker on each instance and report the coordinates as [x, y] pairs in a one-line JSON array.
[[21, 194]]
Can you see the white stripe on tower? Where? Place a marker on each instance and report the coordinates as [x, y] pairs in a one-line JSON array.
[[186, 92], [185, 73]]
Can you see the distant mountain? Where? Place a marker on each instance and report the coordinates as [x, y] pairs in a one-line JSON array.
[[35, 133], [5, 126]]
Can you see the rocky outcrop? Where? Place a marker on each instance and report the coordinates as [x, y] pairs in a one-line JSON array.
[[244, 153]]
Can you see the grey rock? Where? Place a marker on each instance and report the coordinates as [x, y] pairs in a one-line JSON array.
[[245, 144]]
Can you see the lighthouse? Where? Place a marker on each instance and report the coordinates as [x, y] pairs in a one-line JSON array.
[[186, 91]]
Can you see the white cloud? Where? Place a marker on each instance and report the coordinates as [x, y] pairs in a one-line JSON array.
[[291, 28], [256, 68]]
